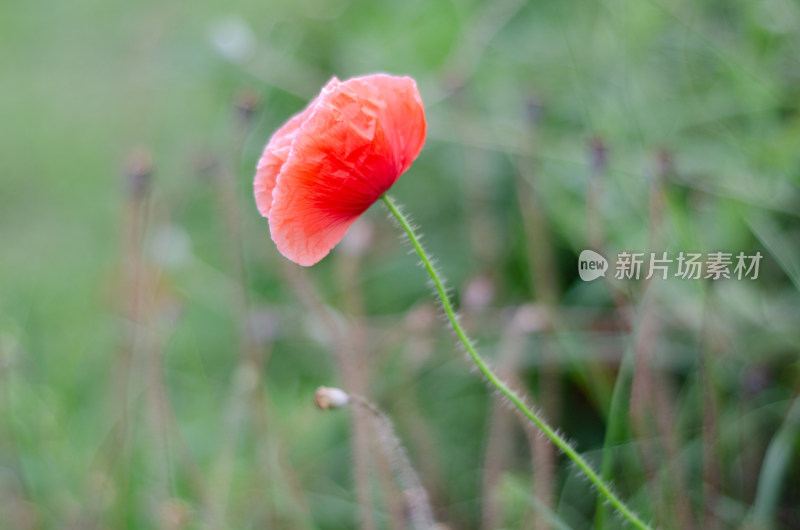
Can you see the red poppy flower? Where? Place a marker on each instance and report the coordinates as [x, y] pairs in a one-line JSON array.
[[325, 166]]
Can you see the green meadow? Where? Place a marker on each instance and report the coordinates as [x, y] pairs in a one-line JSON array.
[[159, 357]]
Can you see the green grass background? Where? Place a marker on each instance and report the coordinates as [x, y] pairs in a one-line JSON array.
[[517, 94]]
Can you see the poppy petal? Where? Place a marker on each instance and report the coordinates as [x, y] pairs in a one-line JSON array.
[[276, 152], [359, 137]]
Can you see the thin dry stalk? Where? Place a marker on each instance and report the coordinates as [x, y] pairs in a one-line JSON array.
[[652, 421], [350, 375], [247, 397], [142, 349], [158, 401], [648, 391], [595, 234], [543, 267], [418, 506], [538, 245], [545, 284], [138, 174], [354, 366], [598, 163], [649, 394], [711, 474], [641, 406], [389, 490], [418, 336]]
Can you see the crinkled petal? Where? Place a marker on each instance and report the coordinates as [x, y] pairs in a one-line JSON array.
[[276, 152], [402, 114], [361, 135]]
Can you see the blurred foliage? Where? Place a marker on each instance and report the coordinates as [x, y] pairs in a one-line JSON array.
[[158, 357]]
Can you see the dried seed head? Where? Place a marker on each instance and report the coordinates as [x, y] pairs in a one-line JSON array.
[[246, 103], [534, 109], [598, 154], [330, 398], [665, 164], [138, 172]]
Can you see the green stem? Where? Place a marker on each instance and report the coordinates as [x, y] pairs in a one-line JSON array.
[[487, 372]]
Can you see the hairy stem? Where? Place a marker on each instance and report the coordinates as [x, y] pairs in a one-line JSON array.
[[501, 387]]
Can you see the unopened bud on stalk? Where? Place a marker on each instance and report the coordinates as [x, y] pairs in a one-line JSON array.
[[331, 398]]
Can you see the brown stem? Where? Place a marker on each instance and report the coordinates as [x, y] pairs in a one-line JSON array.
[[354, 365], [349, 370], [649, 393], [417, 503], [138, 174]]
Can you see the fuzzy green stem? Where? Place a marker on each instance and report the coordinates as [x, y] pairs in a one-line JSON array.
[[487, 372]]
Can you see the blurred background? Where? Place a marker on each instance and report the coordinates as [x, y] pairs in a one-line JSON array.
[[158, 357]]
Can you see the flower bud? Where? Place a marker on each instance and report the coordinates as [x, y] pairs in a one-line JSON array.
[[331, 398]]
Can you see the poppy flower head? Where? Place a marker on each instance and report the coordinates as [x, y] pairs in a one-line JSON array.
[[326, 165]]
